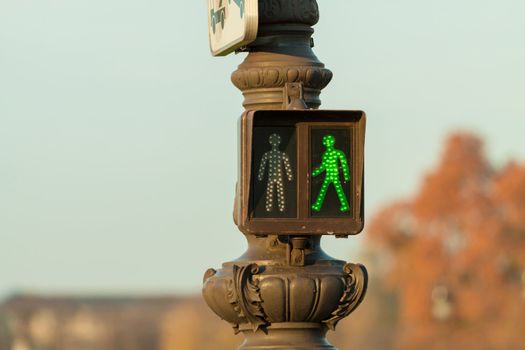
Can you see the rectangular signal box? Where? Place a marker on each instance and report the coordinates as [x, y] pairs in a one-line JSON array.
[[301, 172]]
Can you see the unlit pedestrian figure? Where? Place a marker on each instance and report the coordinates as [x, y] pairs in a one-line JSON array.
[[275, 159]]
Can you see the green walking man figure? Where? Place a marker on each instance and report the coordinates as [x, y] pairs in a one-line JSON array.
[[332, 157]]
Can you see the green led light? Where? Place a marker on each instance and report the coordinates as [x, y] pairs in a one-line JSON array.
[[330, 165]]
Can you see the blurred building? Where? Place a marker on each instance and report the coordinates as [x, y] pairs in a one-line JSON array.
[[70, 323], [169, 323]]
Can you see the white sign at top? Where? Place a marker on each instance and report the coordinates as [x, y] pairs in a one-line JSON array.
[[231, 24]]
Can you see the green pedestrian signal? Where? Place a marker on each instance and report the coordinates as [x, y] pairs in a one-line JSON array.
[[333, 160], [301, 172]]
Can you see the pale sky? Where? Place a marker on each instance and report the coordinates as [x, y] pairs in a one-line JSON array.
[[118, 128]]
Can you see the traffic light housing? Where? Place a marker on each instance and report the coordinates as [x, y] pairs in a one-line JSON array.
[[301, 172]]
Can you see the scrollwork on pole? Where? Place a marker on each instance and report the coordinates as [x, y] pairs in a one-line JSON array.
[[356, 280], [245, 297]]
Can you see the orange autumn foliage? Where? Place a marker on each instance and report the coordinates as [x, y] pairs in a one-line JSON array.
[[456, 254]]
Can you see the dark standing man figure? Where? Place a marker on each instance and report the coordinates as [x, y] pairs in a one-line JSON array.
[[276, 160]]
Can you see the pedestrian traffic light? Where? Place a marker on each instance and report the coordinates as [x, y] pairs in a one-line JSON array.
[[301, 172]]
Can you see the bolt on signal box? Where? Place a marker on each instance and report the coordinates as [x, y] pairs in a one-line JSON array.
[[301, 172]]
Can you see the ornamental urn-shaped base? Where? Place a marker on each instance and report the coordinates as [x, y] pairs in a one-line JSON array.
[[287, 298]]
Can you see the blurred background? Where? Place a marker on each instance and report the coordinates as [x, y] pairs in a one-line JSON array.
[[118, 164]]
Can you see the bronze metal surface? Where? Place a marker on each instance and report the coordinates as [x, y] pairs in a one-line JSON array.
[[302, 224], [281, 54], [284, 292]]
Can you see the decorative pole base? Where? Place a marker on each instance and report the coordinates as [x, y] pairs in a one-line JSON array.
[[288, 336], [280, 302]]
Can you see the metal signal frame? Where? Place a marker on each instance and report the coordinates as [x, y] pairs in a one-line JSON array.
[[304, 223]]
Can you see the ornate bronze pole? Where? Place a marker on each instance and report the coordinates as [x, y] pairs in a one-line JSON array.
[[284, 292]]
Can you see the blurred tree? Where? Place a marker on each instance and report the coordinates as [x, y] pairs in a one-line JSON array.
[[372, 325], [456, 254]]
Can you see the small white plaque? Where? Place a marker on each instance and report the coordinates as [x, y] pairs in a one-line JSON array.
[[231, 24]]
